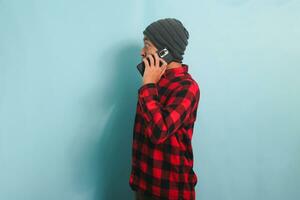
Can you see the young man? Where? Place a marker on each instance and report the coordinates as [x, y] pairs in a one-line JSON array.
[[162, 155]]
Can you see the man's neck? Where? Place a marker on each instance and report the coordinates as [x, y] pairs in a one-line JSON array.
[[174, 65]]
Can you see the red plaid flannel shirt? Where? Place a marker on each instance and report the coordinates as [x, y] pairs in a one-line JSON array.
[[162, 155]]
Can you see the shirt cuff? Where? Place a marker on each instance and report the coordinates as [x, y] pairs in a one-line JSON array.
[[147, 93], [147, 90]]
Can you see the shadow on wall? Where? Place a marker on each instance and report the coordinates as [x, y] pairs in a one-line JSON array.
[[102, 163]]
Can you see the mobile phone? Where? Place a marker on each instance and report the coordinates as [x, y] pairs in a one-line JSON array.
[[164, 54]]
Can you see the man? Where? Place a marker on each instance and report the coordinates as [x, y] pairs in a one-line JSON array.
[[162, 155]]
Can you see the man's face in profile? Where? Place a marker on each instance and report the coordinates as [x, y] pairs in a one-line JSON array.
[[148, 48]]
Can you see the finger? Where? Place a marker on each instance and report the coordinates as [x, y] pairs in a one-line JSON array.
[[146, 62], [156, 59], [163, 61], [151, 60], [164, 68]]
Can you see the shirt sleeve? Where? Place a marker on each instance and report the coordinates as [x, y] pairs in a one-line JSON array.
[[163, 121]]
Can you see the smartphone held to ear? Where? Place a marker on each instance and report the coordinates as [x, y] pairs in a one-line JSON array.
[[164, 54]]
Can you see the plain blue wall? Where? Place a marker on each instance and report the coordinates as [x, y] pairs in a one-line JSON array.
[[68, 90]]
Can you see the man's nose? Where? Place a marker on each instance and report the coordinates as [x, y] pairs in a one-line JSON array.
[[142, 53]]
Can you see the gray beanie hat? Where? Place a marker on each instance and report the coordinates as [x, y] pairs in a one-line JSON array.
[[169, 33]]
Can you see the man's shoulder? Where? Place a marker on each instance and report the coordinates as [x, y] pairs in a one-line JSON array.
[[188, 80]]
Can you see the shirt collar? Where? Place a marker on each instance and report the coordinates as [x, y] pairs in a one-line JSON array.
[[169, 73]]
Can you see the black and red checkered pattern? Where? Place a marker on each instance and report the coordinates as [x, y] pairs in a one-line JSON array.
[[162, 154]]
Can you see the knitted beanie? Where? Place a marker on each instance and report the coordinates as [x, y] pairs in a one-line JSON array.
[[168, 33]]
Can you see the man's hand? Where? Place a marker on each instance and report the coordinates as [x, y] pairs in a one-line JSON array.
[[153, 71]]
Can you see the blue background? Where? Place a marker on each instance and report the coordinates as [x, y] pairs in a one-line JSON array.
[[68, 90]]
